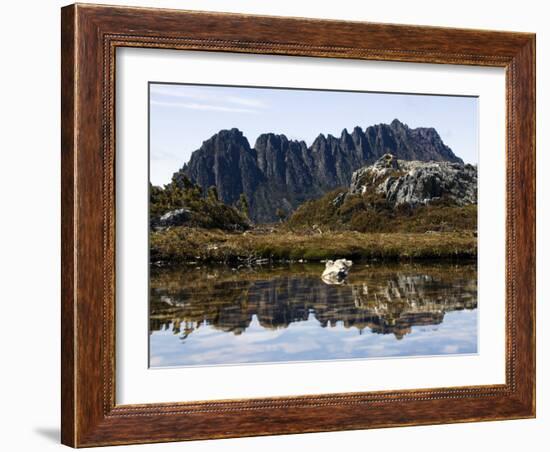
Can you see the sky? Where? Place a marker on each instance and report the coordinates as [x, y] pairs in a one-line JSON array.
[[183, 116]]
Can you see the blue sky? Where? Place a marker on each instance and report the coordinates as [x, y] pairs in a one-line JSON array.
[[183, 116]]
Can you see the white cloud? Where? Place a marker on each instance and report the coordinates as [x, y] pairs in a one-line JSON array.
[[203, 99], [207, 107], [256, 103]]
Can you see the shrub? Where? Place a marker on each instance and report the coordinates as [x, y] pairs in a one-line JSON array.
[[205, 212]]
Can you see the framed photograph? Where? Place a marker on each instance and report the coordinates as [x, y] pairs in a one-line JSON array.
[[281, 225]]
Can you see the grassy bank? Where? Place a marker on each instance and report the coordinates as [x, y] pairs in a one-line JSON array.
[[371, 213], [182, 244]]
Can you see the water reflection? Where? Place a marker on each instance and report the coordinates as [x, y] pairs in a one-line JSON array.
[[216, 315]]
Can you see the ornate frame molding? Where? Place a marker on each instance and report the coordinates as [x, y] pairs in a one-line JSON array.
[[90, 37]]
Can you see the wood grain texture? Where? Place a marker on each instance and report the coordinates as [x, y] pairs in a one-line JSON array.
[[68, 147], [90, 36]]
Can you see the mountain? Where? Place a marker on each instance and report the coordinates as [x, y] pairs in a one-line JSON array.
[[278, 173]]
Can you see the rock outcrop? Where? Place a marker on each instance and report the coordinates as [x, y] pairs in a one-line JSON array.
[[174, 218], [416, 183], [278, 173]]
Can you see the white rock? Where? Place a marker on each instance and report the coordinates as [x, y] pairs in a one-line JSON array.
[[336, 271]]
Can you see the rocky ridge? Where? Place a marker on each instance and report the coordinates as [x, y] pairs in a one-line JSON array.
[[281, 174]]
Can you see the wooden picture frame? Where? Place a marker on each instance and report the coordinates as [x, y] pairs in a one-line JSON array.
[[90, 36]]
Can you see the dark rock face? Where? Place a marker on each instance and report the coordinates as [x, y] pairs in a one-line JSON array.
[[226, 162], [415, 183], [281, 174]]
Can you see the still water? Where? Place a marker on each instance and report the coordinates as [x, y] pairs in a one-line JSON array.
[[206, 315]]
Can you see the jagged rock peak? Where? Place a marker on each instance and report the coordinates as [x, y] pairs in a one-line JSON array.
[[220, 140], [231, 132], [270, 138], [228, 134], [397, 124], [320, 138]]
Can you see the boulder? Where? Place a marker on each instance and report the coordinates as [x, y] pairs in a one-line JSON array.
[[336, 271]]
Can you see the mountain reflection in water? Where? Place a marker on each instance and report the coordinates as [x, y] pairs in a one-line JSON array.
[[216, 315]]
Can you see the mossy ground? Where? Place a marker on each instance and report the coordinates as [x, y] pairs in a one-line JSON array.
[[372, 213], [183, 244], [362, 227]]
